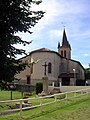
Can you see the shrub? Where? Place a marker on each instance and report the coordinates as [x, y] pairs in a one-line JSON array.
[[39, 87]]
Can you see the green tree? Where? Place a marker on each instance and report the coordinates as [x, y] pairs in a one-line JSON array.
[[87, 73], [15, 16]]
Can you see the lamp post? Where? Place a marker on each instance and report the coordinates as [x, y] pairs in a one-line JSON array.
[[74, 72]]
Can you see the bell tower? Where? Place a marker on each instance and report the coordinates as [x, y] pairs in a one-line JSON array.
[[65, 49]]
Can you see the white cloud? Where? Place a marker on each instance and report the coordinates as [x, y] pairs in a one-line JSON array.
[[55, 32], [60, 11], [86, 55], [50, 7], [75, 16]]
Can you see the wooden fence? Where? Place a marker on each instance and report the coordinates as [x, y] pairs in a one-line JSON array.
[[24, 104]]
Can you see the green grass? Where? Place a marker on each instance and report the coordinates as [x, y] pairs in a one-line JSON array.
[[78, 109], [6, 95]]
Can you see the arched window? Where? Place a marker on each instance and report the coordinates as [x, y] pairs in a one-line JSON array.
[[64, 53], [28, 79], [49, 67]]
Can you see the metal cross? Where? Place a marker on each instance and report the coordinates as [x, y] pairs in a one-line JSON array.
[[63, 23], [45, 65]]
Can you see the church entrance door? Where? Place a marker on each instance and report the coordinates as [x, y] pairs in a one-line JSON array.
[[66, 81]]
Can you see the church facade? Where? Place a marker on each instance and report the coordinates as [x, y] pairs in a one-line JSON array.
[[57, 66]]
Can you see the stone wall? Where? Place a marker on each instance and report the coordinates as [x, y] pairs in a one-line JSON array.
[[68, 88], [24, 87]]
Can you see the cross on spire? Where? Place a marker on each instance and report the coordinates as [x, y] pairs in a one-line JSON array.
[[63, 23], [45, 66]]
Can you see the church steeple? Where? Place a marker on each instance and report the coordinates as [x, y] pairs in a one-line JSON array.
[[65, 42], [65, 49]]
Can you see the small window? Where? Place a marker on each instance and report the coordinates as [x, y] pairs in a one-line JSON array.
[[49, 67], [64, 53], [28, 79]]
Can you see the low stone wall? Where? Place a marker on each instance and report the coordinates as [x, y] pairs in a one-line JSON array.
[[24, 87], [67, 88], [72, 88]]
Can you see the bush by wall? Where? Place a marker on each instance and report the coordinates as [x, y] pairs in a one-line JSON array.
[[39, 87]]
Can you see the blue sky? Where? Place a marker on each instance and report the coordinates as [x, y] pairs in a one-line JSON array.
[[74, 15]]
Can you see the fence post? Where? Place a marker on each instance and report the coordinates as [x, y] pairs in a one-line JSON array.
[[11, 94], [55, 98], [53, 84], [82, 92], [20, 109]]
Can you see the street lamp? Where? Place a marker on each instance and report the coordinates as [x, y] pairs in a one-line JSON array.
[[74, 70]]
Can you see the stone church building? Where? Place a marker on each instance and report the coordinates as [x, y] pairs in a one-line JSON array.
[[57, 66]]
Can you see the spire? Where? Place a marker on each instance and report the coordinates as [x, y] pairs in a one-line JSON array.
[[65, 42], [65, 49]]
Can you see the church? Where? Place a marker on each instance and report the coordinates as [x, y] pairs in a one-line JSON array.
[[57, 66]]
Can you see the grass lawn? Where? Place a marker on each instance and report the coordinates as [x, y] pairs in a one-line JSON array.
[[77, 110], [6, 95]]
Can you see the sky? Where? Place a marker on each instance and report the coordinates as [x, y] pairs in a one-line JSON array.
[[74, 16]]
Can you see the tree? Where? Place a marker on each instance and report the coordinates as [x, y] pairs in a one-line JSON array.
[[15, 16], [87, 73]]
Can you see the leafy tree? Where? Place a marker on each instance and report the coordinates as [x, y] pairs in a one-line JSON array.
[[87, 73], [15, 16]]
